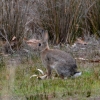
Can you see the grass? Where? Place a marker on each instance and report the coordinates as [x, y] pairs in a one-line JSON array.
[[19, 83]]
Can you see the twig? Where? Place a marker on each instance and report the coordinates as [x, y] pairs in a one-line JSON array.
[[89, 60], [2, 31]]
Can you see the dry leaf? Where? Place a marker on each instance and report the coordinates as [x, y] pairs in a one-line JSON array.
[[13, 38]]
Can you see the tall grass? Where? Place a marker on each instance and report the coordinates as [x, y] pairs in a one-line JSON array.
[[13, 17], [67, 19], [93, 17], [64, 19]]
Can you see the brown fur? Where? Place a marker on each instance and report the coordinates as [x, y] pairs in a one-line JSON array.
[[63, 63]]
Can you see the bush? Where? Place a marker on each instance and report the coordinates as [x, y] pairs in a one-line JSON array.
[[13, 17], [64, 19], [67, 19]]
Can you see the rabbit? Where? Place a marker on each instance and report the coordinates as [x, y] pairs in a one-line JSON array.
[[63, 63]]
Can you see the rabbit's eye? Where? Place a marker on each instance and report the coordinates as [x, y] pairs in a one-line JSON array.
[[39, 44]]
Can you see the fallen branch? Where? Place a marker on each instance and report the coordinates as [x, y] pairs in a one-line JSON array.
[[89, 60]]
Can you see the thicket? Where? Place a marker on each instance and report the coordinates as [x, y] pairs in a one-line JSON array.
[[65, 20]]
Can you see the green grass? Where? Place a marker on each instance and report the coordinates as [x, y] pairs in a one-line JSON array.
[[82, 88]]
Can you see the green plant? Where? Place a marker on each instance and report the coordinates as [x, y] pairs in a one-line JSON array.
[[83, 87]]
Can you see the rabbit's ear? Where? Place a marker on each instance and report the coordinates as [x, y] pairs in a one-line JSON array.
[[45, 36]]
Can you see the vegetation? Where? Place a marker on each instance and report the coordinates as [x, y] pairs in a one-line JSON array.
[[68, 19], [12, 21], [65, 20], [83, 87]]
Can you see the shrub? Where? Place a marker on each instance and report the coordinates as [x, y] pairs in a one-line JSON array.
[[13, 17], [68, 19]]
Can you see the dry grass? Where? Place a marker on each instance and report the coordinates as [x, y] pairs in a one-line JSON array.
[[65, 20], [13, 17]]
